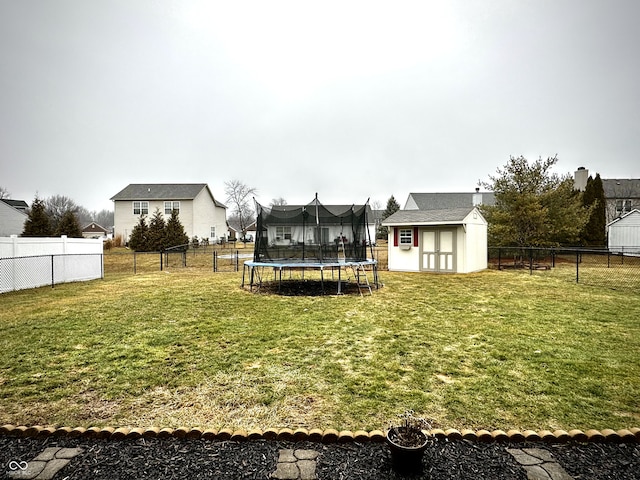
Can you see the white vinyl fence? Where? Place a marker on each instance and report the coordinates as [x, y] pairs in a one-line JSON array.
[[35, 262]]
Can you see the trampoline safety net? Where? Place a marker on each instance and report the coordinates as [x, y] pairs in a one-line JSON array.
[[311, 233]]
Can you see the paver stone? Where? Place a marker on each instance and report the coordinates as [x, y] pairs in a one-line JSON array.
[[286, 471], [536, 472], [49, 453], [307, 469]]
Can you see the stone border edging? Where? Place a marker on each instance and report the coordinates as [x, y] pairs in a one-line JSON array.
[[631, 435]]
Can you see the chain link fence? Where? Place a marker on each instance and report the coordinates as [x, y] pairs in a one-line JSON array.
[[619, 269], [214, 258], [19, 273]]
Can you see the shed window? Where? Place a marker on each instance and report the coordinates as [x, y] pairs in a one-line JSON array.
[[141, 208], [406, 236], [170, 206]]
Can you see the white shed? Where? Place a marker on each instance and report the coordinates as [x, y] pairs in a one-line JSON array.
[[445, 241], [624, 233]]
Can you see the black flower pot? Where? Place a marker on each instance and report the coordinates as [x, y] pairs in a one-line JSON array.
[[406, 458]]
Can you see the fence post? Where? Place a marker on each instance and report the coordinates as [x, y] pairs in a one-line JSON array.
[[530, 261], [237, 261], [161, 260], [215, 261], [577, 266], [52, 271]]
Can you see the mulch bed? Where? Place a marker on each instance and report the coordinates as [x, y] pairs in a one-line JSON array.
[[198, 459]]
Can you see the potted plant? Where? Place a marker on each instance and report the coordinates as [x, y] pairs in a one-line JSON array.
[[408, 441]]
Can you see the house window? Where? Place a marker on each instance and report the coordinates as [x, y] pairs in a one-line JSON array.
[[283, 233], [406, 236], [213, 233], [170, 206], [623, 206], [141, 208]]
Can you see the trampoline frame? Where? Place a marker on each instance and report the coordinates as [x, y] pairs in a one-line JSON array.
[[255, 270]]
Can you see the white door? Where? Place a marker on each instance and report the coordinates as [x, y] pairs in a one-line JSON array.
[[438, 250]]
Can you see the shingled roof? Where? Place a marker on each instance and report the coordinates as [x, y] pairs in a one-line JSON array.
[[621, 188], [163, 191], [452, 216], [444, 200]]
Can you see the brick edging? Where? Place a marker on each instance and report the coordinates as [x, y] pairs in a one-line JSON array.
[[631, 435]]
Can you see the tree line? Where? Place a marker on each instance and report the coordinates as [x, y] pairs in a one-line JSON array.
[[59, 215]]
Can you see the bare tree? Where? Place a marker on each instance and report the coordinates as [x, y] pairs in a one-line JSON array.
[[240, 197], [278, 202], [56, 206], [4, 193]]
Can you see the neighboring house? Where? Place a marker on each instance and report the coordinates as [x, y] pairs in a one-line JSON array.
[[443, 201], [12, 217], [199, 212], [621, 195], [451, 240], [93, 230], [624, 233]]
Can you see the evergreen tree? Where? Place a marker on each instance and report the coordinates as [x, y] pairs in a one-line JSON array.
[[156, 237], [139, 236], [392, 207], [69, 226], [594, 232], [175, 231], [533, 206], [37, 223]]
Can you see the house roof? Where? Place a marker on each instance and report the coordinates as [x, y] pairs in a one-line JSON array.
[[93, 227], [17, 204], [451, 216], [444, 200], [621, 188], [163, 191]]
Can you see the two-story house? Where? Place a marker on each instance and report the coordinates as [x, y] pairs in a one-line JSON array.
[[199, 212]]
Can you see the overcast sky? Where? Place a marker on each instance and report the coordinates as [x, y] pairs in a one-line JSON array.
[[352, 100]]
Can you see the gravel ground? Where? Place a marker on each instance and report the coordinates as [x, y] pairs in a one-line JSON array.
[[198, 459]]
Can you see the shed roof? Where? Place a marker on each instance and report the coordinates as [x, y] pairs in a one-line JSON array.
[[450, 216]]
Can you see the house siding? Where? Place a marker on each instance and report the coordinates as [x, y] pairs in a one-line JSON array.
[[11, 220]]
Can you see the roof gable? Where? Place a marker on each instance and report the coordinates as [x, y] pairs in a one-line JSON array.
[[631, 218]]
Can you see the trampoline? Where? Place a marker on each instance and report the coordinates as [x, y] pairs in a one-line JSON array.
[[322, 238]]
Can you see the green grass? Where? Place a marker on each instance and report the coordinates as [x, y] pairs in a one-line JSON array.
[[190, 348]]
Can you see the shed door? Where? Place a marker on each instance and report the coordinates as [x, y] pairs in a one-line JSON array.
[[438, 250]]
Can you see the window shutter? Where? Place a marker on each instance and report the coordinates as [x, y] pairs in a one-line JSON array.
[[415, 236], [395, 236]]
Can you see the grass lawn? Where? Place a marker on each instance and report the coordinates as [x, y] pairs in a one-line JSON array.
[[190, 348]]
